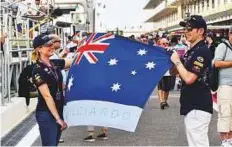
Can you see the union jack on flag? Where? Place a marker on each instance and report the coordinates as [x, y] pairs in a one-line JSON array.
[[113, 81], [93, 45]]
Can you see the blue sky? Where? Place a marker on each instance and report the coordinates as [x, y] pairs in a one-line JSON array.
[[121, 13]]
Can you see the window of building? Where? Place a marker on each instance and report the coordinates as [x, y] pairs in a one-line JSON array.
[[202, 5], [207, 1], [189, 10], [213, 4], [198, 6], [195, 7]]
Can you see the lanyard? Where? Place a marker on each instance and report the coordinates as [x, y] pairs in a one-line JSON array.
[[54, 73]]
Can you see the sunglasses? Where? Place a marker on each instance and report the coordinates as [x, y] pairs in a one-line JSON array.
[[47, 45], [189, 29], [164, 43]]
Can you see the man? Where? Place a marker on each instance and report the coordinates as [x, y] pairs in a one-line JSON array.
[[223, 61], [71, 46], [195, 99], [57, 45], [167, 83]]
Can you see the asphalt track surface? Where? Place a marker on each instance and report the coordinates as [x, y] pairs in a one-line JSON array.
[[155, 128]]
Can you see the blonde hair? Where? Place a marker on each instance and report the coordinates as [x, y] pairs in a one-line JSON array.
[[35, 56]]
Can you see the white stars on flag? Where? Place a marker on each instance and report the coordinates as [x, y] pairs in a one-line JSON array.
[[70, 83], [113, 62], [142, 52], [115, 87], [133, 72], [150, 65]]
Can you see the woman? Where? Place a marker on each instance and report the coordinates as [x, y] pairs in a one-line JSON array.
[[48, 80]]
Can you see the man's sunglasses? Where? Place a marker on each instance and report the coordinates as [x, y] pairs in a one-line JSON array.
[[189, 29], [165, 43]]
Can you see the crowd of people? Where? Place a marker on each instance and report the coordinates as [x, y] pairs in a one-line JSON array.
[[192, 56]]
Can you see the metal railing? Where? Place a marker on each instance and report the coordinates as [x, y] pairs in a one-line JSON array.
[[1, 77], [17, 50]]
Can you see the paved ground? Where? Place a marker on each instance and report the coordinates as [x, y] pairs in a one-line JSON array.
[[156, 128]]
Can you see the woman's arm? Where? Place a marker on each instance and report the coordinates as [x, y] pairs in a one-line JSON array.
[[44, 90], [51, 105]]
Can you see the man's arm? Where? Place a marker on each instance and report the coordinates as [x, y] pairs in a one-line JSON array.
[[220, 54], [186, 75], [223, 64]]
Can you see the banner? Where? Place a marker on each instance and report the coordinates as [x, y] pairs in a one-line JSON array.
[[111, 80]]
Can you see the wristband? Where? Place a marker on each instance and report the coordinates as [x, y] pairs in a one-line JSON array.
[[178, 63]]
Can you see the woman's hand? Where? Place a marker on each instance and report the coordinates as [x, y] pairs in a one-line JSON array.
[[62, 123]]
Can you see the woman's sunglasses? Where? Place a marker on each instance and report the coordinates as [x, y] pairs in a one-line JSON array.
[[47, 45], [57, 41]]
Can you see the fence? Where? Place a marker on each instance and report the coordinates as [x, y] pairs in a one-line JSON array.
[[17, 48]]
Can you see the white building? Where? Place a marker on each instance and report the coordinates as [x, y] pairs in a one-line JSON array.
[[168, 13]]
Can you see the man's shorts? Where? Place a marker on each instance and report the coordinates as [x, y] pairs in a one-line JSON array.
[[224, 95], [167, 83]]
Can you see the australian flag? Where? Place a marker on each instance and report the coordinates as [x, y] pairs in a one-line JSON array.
[[111, 80]]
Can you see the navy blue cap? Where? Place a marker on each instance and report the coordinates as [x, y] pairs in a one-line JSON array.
[[195, 21], [41, 40], [230, 29]]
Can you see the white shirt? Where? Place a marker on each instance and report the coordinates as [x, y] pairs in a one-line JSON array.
[[64, 75]]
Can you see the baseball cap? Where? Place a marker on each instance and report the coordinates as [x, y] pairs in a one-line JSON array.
[[195, 21], [41, 40], [230, 29]]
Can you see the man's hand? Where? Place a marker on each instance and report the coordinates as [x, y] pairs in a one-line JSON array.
[[175, 57]]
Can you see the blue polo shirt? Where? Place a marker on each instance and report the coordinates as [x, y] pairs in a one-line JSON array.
[[197, 95], [42, 74]]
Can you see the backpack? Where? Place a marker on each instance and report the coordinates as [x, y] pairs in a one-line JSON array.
[[214, 75], [26, 87]]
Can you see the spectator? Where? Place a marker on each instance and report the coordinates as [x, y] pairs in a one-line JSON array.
[[193, 68], [102, 136], [210, 40], [180, 48], [132, 37], [154, 41], [223, 60], [167, 83], [71, 46], [48, 80], [76, 37]]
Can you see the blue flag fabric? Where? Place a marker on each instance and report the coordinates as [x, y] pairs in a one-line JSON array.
[[111, 80]]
